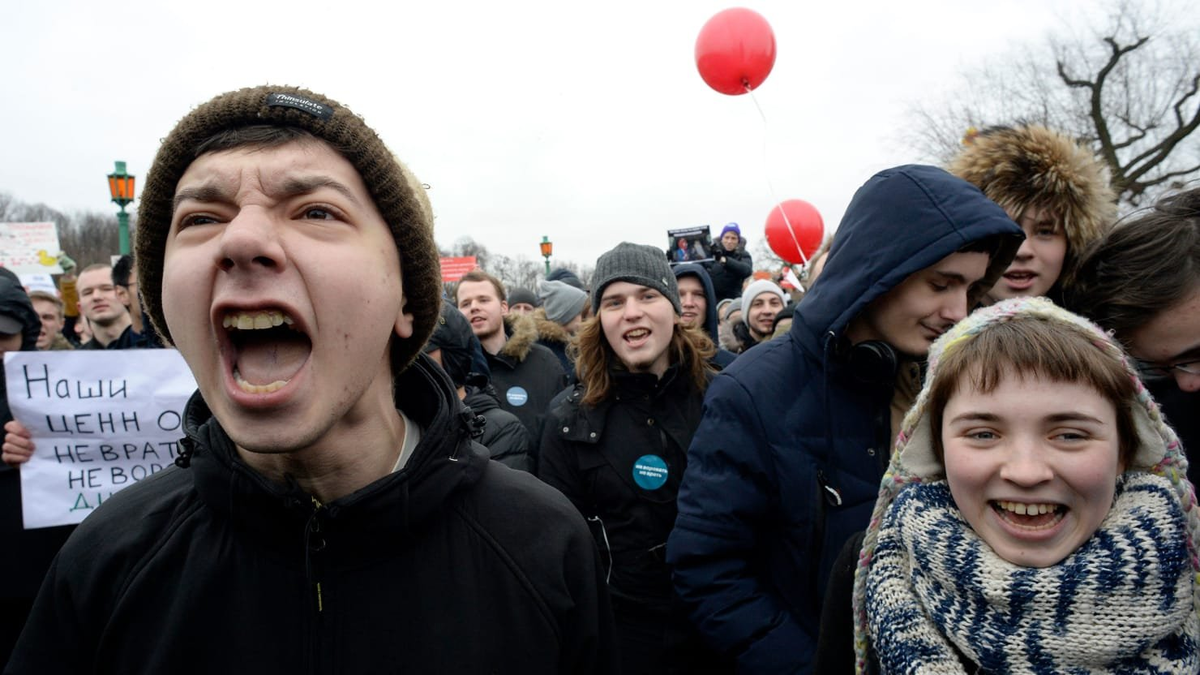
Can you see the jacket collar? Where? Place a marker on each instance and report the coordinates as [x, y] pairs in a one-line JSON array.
[[365, 524]]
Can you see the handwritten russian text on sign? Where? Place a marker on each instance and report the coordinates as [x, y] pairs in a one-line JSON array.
[[29, 248], [453, 269], [101, 421]]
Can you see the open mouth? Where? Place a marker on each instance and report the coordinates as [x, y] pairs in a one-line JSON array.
[[1020, 278], [636, 336], [267, 349], [1030, 516]]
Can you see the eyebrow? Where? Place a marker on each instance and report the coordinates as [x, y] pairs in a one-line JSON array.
[[952, 276], [296, 185], [979, 416]]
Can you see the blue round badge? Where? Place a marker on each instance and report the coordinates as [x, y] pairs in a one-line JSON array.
[[650, 472], [517, 396]]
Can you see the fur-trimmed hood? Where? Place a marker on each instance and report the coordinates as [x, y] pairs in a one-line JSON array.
[[1030, 165], [547, 330], [522, 334]]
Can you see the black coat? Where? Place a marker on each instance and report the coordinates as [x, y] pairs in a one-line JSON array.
[[591, 454], [526, 375], [621, 463], [729, 271], [503, 434], [453, 564]]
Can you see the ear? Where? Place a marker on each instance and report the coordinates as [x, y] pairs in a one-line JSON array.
[[122, 295], [404, 320], [503, 308]]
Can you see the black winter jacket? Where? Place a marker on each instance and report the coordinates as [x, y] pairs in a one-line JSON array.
[[730, 271], [503, 435], [453, 564], [609, 460], [526, 375]]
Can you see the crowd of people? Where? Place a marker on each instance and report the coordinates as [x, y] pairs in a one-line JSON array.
[[962, 447]]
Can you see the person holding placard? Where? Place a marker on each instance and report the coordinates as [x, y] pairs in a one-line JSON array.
[[330, 512]]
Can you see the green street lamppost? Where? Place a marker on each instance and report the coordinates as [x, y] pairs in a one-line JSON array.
[[547, 249], [120, 186]]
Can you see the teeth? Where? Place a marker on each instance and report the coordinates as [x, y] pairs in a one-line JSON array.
[[1022, 509], [256, 320], [257, 388], [637, 333]]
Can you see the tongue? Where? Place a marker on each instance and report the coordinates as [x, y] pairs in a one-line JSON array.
[[1031, 521], [263, 359]]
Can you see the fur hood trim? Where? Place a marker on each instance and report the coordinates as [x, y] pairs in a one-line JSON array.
[[547, 330], [1035, 166], [522, 335]]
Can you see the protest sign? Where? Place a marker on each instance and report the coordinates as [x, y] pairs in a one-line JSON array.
[[453, 269], [101, 421], [693, 244], [29, 248]]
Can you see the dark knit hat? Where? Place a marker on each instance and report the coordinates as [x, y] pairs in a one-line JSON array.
[[517, 296], [397, 194], [454, 337], [638, 264], [566, 276], [731, 227]]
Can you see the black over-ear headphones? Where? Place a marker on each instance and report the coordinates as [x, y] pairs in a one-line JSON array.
[[871, 362]]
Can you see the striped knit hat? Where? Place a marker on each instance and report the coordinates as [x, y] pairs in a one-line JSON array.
[[397, 194], [1159, 451]]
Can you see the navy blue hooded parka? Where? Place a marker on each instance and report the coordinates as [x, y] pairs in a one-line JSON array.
[[787, 461]]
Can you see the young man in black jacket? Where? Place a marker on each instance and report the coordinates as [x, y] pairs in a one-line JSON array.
[[616, 445], [332, 513]]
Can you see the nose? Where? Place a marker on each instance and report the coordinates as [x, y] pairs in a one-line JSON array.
[[1025, 464], [632, 310], [250, 241], [954, 309], [1025, 252], [1187, 381]]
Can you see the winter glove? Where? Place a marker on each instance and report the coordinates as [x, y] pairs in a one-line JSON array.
[[65, 262]]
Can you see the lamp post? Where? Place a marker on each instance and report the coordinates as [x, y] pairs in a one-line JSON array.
[[120, 186], [547, 249]]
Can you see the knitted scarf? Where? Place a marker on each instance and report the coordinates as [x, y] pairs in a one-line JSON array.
[[1121, 603]]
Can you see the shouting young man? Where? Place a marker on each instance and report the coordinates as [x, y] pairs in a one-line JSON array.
[[332, 513]]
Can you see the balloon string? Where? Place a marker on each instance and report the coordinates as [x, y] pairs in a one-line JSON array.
[[767, 174]]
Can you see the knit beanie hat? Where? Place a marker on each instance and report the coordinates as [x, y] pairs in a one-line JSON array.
[[1159, 452], [759, 287], [734, 306], [638, 264], [560, 301], [731, 227], [566, 276], [397, 194], [1030, 165], [518, 296]]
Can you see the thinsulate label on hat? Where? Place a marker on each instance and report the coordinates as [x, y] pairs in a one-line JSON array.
[[311, 107]]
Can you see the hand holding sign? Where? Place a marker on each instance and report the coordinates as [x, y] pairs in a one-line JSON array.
[[18, 444]]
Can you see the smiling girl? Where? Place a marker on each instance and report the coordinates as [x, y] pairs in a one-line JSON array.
[[1035, 516]]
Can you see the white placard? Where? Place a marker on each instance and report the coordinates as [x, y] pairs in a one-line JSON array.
[[101, 421], [30, 248]]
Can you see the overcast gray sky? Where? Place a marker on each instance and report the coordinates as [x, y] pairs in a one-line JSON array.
[[586, 122]]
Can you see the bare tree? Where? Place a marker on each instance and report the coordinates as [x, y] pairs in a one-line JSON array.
[[1130, 89]]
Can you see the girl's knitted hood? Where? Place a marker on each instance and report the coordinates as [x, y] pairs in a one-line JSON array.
[[1159, 451]]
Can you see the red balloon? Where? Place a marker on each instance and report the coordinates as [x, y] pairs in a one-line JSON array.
[[735, 51], [807, 227]]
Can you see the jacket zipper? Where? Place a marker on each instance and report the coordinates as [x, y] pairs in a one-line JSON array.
[[314, 543]]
